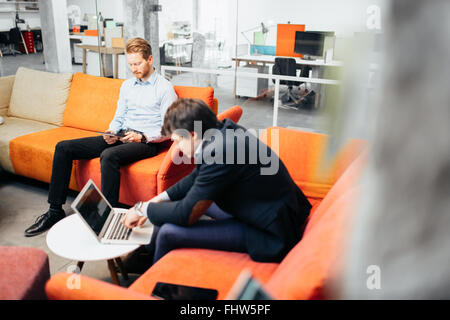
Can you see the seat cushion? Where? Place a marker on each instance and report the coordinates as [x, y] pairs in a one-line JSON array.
[[13, 128], [347, 180], [23, 273], [32, 154], [203, 268], [313, 262], [310, 267], [40, 95], [138, 181], [92, 102]]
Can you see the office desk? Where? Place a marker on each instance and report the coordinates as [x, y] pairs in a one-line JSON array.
[[103, 50], [317, 70], [265, 59], [77, 53]]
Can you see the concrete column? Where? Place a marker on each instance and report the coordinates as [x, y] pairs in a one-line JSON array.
[[140, 21], [55, 35], [195, 14]]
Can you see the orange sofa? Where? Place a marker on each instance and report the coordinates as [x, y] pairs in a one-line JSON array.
[[305, 273], [64, 106]]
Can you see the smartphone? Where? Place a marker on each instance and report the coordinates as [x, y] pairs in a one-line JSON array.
[[170, 291], [158, 139], [119, 134]]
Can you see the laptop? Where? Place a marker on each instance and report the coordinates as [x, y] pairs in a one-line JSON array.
[[104, 221]]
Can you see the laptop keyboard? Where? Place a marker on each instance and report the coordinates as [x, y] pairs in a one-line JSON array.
[[119, 231]]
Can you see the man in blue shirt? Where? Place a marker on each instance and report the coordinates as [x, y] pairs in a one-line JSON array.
[[143, 101]]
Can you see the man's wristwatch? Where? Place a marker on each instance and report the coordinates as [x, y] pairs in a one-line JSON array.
[[143, 139], [138, 207]]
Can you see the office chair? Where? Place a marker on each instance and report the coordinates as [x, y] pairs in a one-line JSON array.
[[14, 38], [287, 67]]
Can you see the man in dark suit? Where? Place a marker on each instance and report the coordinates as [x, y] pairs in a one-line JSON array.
[[255, 210]]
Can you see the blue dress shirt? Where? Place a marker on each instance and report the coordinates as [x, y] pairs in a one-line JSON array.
[[142, 105]]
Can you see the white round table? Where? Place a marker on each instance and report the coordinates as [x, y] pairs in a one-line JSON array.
[[71, 238]]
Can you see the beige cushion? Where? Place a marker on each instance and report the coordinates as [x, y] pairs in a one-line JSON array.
[[13, 128], [39, 95], [6, 85]]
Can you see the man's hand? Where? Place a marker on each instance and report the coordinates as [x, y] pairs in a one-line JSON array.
[[110, 139], [131, 136], [132, 219]]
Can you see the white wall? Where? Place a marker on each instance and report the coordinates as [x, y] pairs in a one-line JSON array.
[[108, 8], [344, 17]]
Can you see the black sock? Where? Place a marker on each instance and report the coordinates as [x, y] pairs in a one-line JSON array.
[[56, 207]]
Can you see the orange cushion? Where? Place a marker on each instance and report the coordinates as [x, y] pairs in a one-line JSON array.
[[305, 156], [137, 180], [90, 289], [32, 154], [203, 268], [347, 181], [301, 152], [314, 262], [203, 93], [308, 268], [92, 102]]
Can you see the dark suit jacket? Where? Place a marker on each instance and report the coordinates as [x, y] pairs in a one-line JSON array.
[[272, 206]]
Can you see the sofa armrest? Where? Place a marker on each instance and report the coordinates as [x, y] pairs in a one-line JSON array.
[[234, 113], [170, 172], [6, 86], [71, 286]]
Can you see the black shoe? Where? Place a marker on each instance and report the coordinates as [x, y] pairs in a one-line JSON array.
[[45, 222], [138, 261]]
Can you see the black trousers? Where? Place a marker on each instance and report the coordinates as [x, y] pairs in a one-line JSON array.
[[112, 156], [223, 233]]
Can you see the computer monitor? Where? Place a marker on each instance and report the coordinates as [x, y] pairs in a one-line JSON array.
[[309, 43]]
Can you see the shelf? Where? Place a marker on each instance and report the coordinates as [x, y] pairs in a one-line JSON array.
[[18, 2], [19, 11]]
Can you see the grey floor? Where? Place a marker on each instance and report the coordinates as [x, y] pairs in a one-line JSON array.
[[23, 200]]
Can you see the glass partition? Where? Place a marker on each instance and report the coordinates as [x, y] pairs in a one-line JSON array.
[[281, 61]]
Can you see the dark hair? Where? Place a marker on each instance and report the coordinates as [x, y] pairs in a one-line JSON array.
[[182, 114], [139, 45]]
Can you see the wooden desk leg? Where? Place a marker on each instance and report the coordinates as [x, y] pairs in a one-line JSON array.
[[84, 60], [238, 62], [122, 268], [112, 270], [102, 63], [116, 66]]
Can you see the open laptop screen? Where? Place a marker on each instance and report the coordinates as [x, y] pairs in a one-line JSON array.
[[93, 208]]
